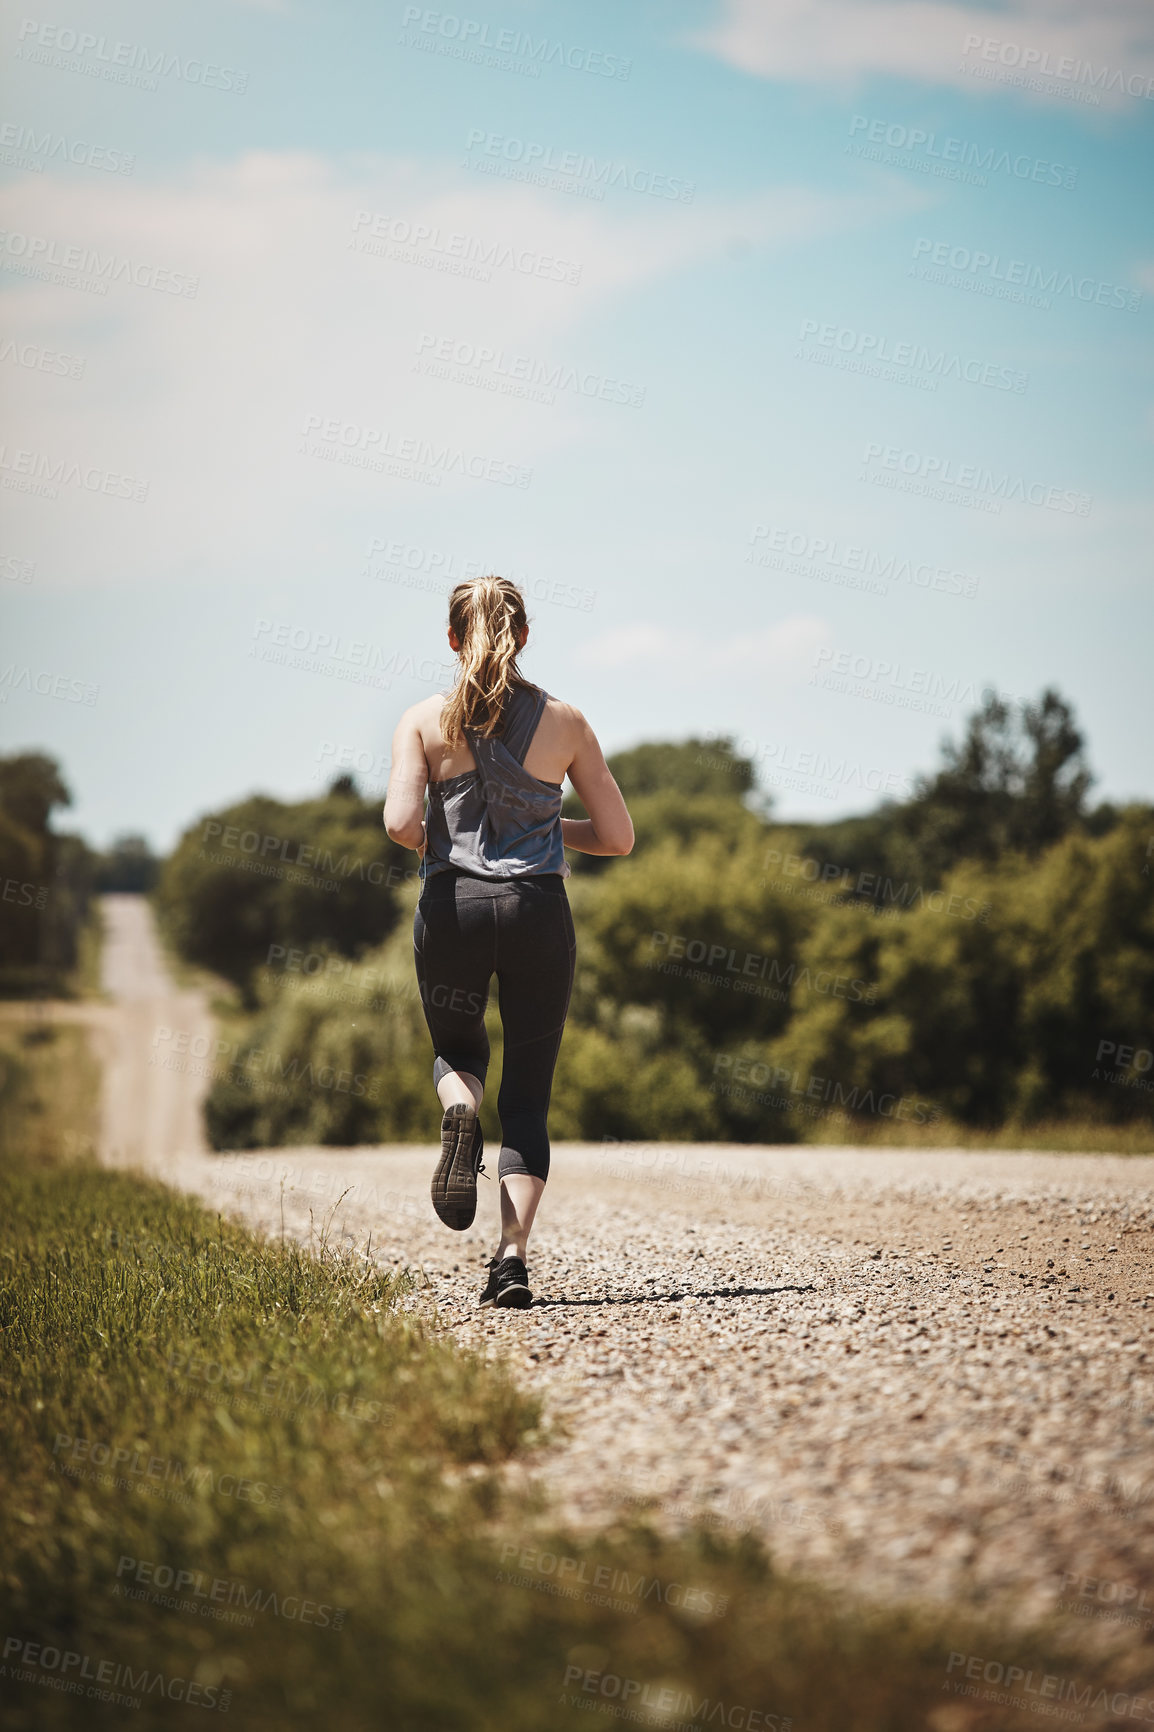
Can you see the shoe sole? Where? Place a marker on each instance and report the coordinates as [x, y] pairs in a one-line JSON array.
[[454, 1186], [509, 1299]]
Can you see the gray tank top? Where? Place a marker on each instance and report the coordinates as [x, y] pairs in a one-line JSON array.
[[498, 821]]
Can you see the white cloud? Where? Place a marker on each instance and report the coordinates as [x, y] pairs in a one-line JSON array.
[[845, 41], [206, 398]]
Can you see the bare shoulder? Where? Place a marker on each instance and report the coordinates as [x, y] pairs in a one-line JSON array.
[[566, 717], [419, 717]]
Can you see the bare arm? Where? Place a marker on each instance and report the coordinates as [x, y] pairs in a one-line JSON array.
[[608, 828], [408, 777]]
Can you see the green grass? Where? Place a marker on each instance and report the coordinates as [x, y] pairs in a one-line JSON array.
[[84, 981], [1062, 1136], [22, 982], [288, 1428], [49, 1087]]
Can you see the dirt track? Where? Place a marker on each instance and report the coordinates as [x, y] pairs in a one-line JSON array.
[[915, 1372]]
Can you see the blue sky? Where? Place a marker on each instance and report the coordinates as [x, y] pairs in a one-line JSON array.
[[794, 354]]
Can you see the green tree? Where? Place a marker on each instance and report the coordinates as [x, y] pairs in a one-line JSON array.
[[25, 883], [937, 1029], [128, 866], [317, 875], [688, 768], [683, 790], [1005, 996], [1016, 782], [31, 788], [45, 878]]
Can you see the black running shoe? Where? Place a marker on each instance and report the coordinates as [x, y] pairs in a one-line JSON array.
[[454, 1187], [508, 1284]]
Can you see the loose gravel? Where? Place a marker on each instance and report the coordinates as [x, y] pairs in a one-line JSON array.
[[913, 1373], [925, 1373]]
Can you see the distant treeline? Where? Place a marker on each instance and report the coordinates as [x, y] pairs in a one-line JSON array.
[[48, 879], [979, 955]]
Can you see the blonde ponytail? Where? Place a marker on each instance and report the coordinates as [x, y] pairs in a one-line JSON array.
[[487, 615]]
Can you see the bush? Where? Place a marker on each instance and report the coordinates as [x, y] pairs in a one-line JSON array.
[[262, 876]]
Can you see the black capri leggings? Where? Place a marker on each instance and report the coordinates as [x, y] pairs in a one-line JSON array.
[[467, 929]]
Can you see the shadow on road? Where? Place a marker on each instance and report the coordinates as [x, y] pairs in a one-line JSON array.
[[674, 1298]]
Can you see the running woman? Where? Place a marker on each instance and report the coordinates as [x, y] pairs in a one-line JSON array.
[[491, 755]]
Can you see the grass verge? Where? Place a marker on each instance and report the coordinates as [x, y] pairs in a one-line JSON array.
[[1060, 1137], [243, 1479], [85, 981]]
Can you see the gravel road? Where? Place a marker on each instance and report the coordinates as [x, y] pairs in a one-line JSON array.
[[910, 1372]]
